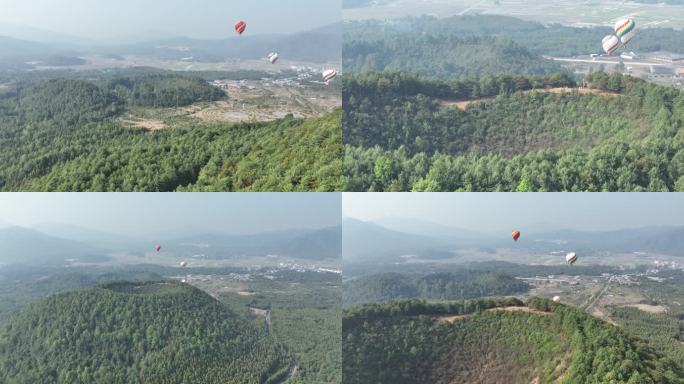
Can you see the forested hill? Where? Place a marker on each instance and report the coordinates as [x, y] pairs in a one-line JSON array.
[[537, 38], [493, 341], [512, 134], [157, 332], [459, 285], [444, 57], [66, 135]]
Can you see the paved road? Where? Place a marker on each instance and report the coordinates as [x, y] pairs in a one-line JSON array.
[[611, 62], [290, 373]]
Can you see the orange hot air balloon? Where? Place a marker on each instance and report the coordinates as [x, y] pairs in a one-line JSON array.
[[515, 235], [240, 27], [157, 248]]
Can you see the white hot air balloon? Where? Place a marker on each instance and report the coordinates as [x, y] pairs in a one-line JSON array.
[[625, 30], [570, 258], [183, 264], [610, 44], [273, 57], [329, 75], [556, 299]]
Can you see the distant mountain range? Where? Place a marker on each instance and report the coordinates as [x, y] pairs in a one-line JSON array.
[[370, 242], [11, 48], [39, 35], [319, 46], [359, 3], [428, 228], [666, 240], [314, 244], [360, 241], [397, 238], [27, 246], [103, 240], [53, 243]]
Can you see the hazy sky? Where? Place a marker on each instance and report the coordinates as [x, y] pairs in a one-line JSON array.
[[98, 19], [154, 213], [491, 212]]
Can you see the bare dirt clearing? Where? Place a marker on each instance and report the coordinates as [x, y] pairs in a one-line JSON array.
[[265, 102], [520, 309], [245, 102], [452, 319], [649, 308], [463, 104], [258, 311], [148, 124]]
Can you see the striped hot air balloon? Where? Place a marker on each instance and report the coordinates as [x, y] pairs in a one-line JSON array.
[[570, 258], [329, 75], [240, 27], [610, 44], [273, 57], [157, 247], [625, 29], [515, 235]]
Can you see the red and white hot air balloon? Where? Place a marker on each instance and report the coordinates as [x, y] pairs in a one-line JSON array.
[[240, 27], [183, 264], [329, 75], [570, 258], [157, 247]]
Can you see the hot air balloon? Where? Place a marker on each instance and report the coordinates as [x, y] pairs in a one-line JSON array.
[[610, 44], [183, 281], [240, 27], [157, 248], [515, 235], [571, 258], [625, 29], [273, 57], [556, 299], [183, 264], [329, 75]]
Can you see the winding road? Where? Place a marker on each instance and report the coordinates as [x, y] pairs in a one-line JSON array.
[[592, 300]]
